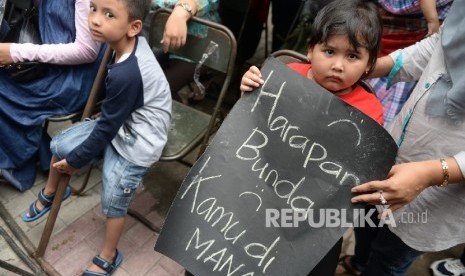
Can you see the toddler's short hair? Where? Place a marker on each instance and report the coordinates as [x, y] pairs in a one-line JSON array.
[[358, 19]]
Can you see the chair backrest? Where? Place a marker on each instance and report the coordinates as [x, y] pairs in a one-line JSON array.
[[195, 46], [94, 96], [288, 56], [221, 60]]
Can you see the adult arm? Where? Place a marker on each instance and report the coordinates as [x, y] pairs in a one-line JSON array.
[[406, 181], [382, 67], [175, 33], [409, 63], [124, 90], [82, 50], [428, 8]]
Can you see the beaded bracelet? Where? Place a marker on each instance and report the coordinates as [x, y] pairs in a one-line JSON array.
[[445, 173]]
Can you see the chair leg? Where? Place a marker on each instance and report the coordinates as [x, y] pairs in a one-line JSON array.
[[84, 182], [142, 219], [47, 232]]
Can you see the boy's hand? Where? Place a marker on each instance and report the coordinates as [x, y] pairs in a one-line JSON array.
[[96, 115], [63, 167], [251, 79], [433, 26]]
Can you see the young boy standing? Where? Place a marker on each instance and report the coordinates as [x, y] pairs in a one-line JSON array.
[[130, 133]]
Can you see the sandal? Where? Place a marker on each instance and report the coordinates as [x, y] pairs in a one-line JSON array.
[[105, 265], [345, 267], [46, 201]]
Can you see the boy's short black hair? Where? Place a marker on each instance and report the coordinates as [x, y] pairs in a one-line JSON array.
[[137, 9], [358, 19]]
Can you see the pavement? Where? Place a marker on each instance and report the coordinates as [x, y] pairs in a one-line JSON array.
[[80, 227], [79, 230]]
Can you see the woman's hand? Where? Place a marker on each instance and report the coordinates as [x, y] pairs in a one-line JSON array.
[[251, 79], [433, 26], [175, 33], [5, 57], [430, 13], [404, 183], [63, 167]]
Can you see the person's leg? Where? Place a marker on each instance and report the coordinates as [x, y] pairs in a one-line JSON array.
[[52, 183], [54, 177], [328, 264], [61, 145], [364, 235], [179, 73], [120, 179], [284, 15], [389, 255], [113, 231]]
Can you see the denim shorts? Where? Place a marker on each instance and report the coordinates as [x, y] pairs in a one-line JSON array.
[[120, 177]]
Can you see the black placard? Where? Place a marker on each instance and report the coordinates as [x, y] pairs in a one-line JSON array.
[[289, 145]]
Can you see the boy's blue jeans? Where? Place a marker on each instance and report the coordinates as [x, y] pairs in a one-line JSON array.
[[120, 177], [379, 252]]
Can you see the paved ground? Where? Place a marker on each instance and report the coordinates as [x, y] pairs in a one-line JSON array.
[[79, 231]]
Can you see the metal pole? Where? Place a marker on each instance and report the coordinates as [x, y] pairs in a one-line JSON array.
[[19, 253], [26, 243]]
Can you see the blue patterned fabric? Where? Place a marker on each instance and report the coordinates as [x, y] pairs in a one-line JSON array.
[[412, 7], [392, 98], [25, 106], [402, 23]]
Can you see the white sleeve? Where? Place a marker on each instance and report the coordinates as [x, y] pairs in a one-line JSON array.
[[82, 50], [460, 158], [410, 62]]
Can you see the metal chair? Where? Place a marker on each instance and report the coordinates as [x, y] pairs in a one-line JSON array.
[[88, 110], [191, 127], [289, 56]]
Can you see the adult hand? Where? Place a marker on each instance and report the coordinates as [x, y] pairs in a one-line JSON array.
[[175, 33], [5, 57], [433, 26], [63, 167], [251, 79], [404, 183]]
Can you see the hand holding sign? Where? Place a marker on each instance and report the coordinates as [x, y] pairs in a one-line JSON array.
[[255, 202]]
